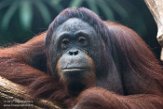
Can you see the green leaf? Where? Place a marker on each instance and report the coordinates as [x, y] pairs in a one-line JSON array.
[[5, 3], [55, 4], [26, 13], [92, 4], [75, 3], [117, 7], [10, 12], [43, 11], [106, 9]]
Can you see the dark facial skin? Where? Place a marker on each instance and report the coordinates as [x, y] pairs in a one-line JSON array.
[[74, 41]]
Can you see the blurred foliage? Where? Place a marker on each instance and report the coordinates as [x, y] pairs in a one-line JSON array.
[[26, 8], [21, 19]]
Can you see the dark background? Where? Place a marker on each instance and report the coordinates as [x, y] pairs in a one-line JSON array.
[[22, 19]]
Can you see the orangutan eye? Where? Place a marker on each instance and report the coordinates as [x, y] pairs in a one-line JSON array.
[[82, 41], [65, 42]]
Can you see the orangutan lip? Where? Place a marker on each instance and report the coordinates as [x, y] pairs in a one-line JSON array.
[[74, 69]]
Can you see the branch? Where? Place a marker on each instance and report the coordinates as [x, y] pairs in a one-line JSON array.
[[156, 8], [16, 96]]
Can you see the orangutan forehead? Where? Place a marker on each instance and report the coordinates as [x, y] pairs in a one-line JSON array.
[[74, 24]]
